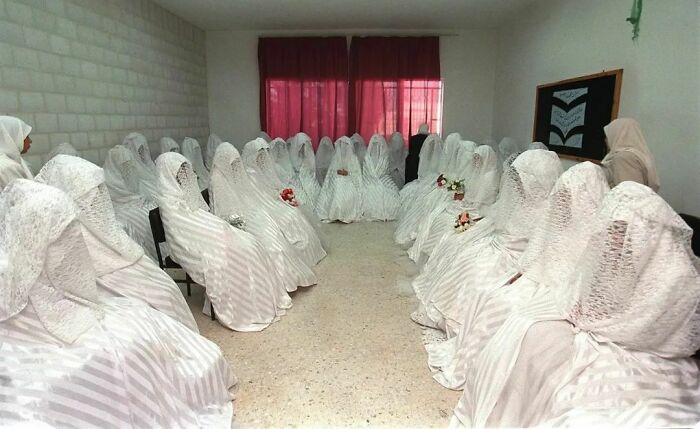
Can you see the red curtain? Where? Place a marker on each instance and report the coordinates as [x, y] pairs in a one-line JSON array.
[[395, 85], [303, 86]]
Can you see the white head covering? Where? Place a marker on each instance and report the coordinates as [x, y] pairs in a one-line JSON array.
[[48, 264], [637, 283], [345, 159], [360, 148], [121, 176], [193, 152], [462, 163], [143, 165], [301, 155], [524, 188], [324, 154], [63, 149], [168, 144], [537, 145], [625, 136], [265, 136], [13, 131], [177, 183], [507, 147], [377, 159], [450, 147], [423, 129], [232, 191], [279, 151], [213, 142], [560, 236], [430, 156], [110, 248], [481, 186], [256, 156]]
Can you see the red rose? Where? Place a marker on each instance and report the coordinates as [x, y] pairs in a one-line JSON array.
[[459, 196]]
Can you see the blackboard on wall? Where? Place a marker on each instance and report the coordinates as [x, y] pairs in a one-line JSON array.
[[570, 114]]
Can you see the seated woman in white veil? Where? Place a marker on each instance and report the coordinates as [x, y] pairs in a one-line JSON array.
[[265, 136], [303, 162], [240, 280], [324, 154], [130, 206], [235, 196], [481, 179], [397, 168], [121, 266], [507, 147], [359, 147], [341, 195], [111, 362], [168, 144], [143, 168], [212, 143], [618, 351], [63, 149], [551, 255], [193, 153], [431, 193], [279, 152], [429, 161], [380, 199], [490, 250], [14, 134]]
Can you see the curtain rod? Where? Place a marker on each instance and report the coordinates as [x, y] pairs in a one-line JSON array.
[[370, 34]]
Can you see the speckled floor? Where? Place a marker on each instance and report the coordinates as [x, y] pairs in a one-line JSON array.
[[347, 353]]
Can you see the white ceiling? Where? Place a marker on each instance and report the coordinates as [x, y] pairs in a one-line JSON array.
[[273, 15]]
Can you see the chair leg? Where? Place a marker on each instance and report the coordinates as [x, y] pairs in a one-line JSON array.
[[188, 281], [211, 310]]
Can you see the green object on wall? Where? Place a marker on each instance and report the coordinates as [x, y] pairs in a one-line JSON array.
[[635, 18]]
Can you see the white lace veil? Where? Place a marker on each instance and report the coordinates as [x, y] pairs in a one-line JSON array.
[[212, 143], [256, 157], [450, 147], [121, 176], [427, 165], [301, 155], [324, 154], [377, 158], [177, 183], [398, 151], [63, 149], [359, 147], [561, 235], [265, 136], [193, 153], [637, 283], [481, 187], [507, 147], [168, 144], [281, 155], [625, 135], [110, 248], [232, 191], [524, 188], [13, 131], [345, 159], [537, 145], [462, 163], [48, 262], [143, 166]]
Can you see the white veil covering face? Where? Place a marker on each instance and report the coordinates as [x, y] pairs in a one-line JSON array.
[[63, 149], [341, 196], [168, 144], [380, 200], [234, 194], [625, 138], [481, 187], [507, 147], [399, 152], [143, 166], [265, 136], [13, 131], [324, 154], [280, 153], [212, 143], [449, 149], [257, 158], [47, 266], [193, 153], [429, 158], [303, 162], [537, 145], [359, 147]]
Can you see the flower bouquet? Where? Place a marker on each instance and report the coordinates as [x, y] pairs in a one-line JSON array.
[[462, 223], [456, 186], [441, 181], [236, 221], [288, 197]]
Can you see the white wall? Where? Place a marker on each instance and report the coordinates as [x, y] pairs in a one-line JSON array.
[[90, 71], [559, 39], [468, 62]]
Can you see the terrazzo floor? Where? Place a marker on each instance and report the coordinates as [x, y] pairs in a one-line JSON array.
[[346, 355]]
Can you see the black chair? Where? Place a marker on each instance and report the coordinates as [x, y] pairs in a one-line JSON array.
[[694, 223], [205, 195], [159, 237]]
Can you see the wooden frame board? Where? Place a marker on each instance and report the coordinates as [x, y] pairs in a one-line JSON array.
[[570, 114]]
